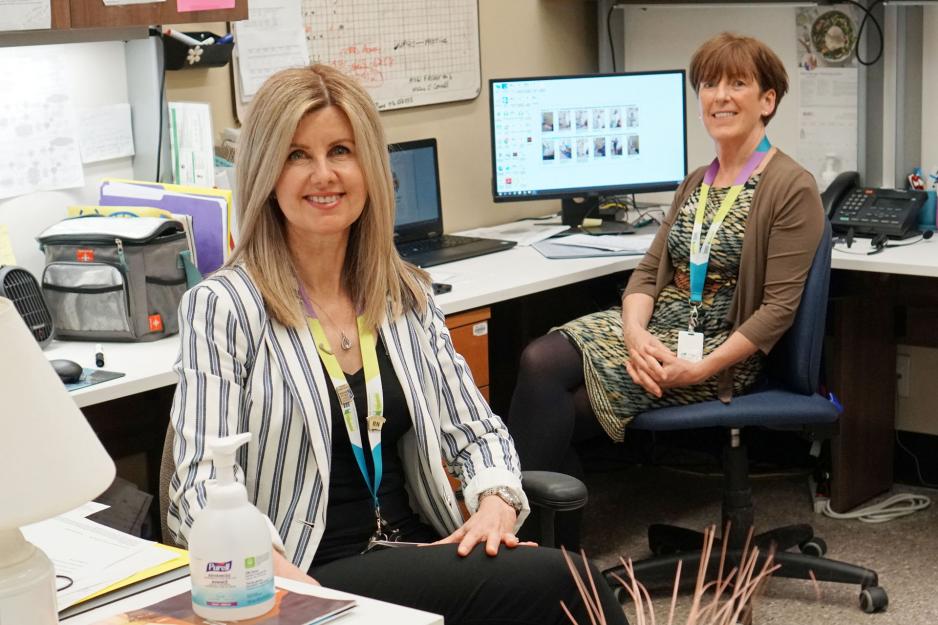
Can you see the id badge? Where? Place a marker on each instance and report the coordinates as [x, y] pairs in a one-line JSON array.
[[690, 346]]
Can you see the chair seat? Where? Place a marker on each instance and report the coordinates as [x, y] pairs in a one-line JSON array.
[[770, 408]]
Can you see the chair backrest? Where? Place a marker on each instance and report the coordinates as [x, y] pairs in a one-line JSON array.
[[795, 362], [167, 467]]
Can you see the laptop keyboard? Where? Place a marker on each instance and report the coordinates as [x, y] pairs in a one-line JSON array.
[[439, 243]]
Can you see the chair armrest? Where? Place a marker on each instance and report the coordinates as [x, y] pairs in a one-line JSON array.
[[554, 491]]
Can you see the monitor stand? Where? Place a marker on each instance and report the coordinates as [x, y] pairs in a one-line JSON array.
[[574, 210]]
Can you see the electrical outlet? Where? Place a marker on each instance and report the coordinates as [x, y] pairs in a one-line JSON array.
[[903, 374]]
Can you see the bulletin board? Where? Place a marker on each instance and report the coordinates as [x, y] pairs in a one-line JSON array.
[[405, 52]]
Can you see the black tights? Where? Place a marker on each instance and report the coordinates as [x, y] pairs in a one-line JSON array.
[[550, 411]]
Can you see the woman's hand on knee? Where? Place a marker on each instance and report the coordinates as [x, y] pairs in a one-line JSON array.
[[286, 569], [647, 356], [492, 524]]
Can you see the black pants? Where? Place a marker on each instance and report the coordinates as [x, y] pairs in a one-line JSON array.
[[521, 586]]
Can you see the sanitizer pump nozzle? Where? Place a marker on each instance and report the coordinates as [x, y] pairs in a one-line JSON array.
[[223, 453]]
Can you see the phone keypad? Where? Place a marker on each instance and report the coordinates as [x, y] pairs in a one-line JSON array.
[[859, 210]]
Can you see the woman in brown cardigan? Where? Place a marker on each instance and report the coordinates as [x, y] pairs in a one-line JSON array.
[[758, 222]]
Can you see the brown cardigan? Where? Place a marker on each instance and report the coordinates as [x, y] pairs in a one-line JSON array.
[[782, 234]]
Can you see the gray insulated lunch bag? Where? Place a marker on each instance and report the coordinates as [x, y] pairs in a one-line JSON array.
[[114, 278]]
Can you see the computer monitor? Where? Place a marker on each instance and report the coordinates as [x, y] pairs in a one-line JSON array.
[[587, 136]]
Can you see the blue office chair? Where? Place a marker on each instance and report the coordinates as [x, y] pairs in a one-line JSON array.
[[787, 399]]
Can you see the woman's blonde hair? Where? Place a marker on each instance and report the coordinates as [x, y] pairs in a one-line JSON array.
[[373, 273]]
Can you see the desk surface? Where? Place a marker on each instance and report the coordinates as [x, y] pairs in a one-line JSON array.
[[917, 259], [480, 281], [476, 282], [367, 612]]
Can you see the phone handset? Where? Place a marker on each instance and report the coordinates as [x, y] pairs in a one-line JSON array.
[[835, 193]]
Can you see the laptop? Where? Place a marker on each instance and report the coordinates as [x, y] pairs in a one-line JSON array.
[[418, 224]]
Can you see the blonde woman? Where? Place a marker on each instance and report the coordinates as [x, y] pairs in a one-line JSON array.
[[321, 342]]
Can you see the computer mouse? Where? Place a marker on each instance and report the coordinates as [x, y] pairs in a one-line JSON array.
[[69, 371]]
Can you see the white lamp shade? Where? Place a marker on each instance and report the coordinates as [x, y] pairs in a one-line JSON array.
[[50, 459]]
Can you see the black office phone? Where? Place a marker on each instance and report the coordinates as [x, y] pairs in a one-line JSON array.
[[869, 211]]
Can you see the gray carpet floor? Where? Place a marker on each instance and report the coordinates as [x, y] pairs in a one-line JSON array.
[[904, 552]]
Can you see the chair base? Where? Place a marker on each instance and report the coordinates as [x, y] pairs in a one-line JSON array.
[[676, 544]]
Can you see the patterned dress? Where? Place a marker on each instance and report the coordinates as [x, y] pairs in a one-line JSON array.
[[615, 398]]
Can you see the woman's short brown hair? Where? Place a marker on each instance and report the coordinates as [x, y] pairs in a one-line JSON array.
[[735, 56]]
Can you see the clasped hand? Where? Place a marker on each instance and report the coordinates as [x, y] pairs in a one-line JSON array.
[[493, 524], [654, 367]]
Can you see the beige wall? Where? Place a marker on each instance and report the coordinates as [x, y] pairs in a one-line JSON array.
[[518, 38]]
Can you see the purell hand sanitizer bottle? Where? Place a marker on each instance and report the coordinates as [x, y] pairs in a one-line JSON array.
[[231, 559]]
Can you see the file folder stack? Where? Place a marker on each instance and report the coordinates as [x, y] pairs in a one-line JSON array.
[[209, 210]]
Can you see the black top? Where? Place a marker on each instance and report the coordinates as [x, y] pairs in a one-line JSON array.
[[350, 517]]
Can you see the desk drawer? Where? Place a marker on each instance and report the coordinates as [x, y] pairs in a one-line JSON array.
[[470, 332]]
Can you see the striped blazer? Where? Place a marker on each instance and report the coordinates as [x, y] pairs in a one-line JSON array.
[[241, 371]]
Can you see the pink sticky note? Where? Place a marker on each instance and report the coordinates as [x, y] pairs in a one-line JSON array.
[[203, 5]]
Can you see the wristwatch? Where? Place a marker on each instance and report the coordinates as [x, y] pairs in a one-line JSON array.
[[505, 494]]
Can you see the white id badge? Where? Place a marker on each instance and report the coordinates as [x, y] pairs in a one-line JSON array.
[[690, 346]]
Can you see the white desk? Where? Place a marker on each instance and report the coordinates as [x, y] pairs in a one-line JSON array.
[[367, 611], [918, 259], [476, 282]]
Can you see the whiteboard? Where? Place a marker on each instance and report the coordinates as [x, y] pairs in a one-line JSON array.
[[405, 52]]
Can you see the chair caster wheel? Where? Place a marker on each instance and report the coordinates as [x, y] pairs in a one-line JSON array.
[[873, 599], [814, 547]]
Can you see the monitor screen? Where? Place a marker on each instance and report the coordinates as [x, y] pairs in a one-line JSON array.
[[569, 136], [416, 185]]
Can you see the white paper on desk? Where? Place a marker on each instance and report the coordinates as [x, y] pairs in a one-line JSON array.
[[637, 243], [271, 39], [38, 136], [92, 555], [114, 3], [190, 132], [521, 232], [86, 510], [105, 132], [25, 14]]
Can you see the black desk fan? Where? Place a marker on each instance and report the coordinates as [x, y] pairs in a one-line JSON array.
[[20, 287]]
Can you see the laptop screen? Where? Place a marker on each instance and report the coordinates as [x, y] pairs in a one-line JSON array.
[[416, 189]]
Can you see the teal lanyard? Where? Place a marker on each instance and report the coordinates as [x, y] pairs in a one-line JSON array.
[[700, 251], [375, 421]]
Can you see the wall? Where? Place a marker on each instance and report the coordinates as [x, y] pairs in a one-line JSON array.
[[930, 88], [684, 29], [98, 77], [517, 38]]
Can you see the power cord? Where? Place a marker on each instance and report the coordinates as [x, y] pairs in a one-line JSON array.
[[867, 15], [894, 507], [612, 47], [918, 467]]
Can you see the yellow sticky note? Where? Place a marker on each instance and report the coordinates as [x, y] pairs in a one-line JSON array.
[[6, 248]]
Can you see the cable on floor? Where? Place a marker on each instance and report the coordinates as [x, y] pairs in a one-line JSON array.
[[889, 509]]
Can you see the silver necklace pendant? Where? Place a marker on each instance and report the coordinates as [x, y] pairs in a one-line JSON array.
[[346, 342]]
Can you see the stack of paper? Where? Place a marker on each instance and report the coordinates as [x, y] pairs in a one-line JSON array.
[[209, 210], [89, 558], [634, 243], [527, 232]]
